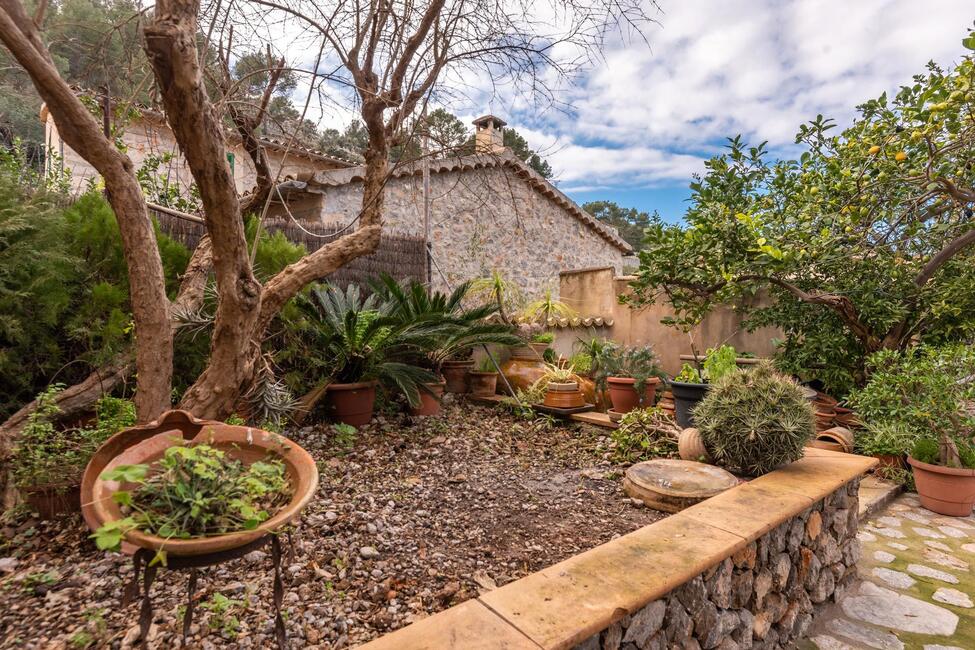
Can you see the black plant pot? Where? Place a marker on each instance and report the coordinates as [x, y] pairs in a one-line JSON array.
[[686, 397]]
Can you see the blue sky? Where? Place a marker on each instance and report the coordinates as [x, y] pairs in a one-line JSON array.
[[642, 122]]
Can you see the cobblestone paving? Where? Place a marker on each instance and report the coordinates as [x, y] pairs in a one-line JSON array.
[[917, 585]]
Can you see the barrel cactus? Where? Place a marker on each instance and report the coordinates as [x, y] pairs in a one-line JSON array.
[[755, 421]]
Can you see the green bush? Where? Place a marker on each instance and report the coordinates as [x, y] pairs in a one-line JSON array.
[[885, 438], [754, 421], [644, 434]]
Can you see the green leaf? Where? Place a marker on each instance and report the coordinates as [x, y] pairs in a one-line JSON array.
[[123, 498], [969, 42], [126, 474]]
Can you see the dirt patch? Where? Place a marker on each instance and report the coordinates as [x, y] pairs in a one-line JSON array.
[[410, 518]]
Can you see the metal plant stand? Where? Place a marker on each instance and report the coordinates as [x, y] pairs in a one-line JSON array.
[[193, 563]]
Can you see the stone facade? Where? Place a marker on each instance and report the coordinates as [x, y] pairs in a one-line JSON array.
[[764, 596], [483, 219]]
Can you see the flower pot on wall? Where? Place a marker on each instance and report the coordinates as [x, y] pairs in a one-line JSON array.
[[686, 397], [429, 400], [352, 403], [564, 395], [483, 384], [455, 375], [945, 490]]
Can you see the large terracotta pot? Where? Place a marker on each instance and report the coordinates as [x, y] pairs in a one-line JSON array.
[[51, 502], [521, 372], [564, 395], [622, 392], [686, 397], [455, 373], [945, 490], [147, 443], [429, 401], [352, 403], [483, 384]]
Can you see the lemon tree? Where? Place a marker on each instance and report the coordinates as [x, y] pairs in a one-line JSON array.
[[862, 243]]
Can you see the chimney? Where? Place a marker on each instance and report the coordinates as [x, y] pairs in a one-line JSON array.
[[489, 134]]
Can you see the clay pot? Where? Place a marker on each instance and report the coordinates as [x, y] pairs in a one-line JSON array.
[[564, 395], [429, 400], [690, 446], [827, 445], [529, 351], [686, 397], [622, 392], [666, 403], [614, 416], [839, 435], [352, 403], [888, 461], [483, 384], [455, 375], [53, 501], [147, 443], [946, 490]]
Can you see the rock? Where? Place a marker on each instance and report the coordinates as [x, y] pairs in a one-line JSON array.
[[746, 557], [781, 570], [8, 564], [814, 525], [823, 587], [867, 636], [884, 556], [928, 572], [942, 647], [927, 532], [679, 623], [897, 546], [763, 584], [719, 585], [939, 546], [954, 597], [968, 548], [825, 642], [645, 623], [864, 536], [890, 521], [894, 578], [613, 637], [889, 609], [945, 559], [742, 583], [255, 556], [761, 624], [692, 595], [234, 588], [368, 552], [951, 531], [889, 532]]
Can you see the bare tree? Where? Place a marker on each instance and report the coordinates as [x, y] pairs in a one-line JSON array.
[[386, 57]]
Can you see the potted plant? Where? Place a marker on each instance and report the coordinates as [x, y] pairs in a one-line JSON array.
[[363, 344], [691, 384], [456, 373], [48, 461], [887, 441], [562, 388], [630, 374], [944, 473], [754, 421], [484, 380]]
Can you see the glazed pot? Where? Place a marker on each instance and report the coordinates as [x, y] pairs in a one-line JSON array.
[[455, 375], [690, 446], [53, 501], [686, 397], [564, 395], [429, 399], [147, 444], [623, 394], [352, 403], [945, 490], [483, 384]]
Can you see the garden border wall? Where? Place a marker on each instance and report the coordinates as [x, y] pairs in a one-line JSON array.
[[746, 568]]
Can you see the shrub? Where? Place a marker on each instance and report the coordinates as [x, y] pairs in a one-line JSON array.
[[754, 421], [885, 438], [644, 434], [624, 361]]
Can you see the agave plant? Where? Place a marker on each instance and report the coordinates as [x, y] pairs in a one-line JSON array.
[[454, 329], [548, 306], [363, 340], [497, 289]]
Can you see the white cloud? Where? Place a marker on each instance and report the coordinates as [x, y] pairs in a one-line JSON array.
[[648, 116]]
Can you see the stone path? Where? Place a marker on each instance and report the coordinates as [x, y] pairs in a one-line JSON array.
[[917, 586]]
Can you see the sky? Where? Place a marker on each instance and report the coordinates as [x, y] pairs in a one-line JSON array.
[[644, 120]]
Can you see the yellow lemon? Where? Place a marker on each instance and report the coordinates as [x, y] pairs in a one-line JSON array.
[[874, 149], [900, 156]]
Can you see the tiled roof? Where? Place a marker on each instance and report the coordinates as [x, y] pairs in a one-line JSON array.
[[339, 177]]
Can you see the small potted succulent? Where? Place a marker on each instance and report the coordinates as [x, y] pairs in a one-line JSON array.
[[484, 380], [562, 388], [754, 421], [691, 385], [630, 374]]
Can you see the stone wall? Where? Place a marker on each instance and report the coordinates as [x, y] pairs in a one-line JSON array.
[[764, 596], [485, 219]]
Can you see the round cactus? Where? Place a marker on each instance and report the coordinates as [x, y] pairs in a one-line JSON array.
[[755, 421]]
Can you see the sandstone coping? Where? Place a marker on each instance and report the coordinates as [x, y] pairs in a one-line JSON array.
[[568, 602]]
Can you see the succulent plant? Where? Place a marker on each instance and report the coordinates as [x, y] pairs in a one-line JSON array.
[[755, 421]]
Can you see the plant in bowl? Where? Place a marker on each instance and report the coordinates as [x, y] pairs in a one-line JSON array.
[[692, 383], [753, 421], [48, 460], [562, 388], [631, 374], [888, 441], [484, 380]]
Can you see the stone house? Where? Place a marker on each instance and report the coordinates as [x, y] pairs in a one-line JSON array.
[[480, 212]]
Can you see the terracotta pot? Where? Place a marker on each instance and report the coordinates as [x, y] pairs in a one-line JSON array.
[[945, 490], [429, 400], [888, 461], [529, 351], [539, 348], [686, 397], [147, 443], [564, 395], [614, 416], [352, 403], [827, 445], [690, 446], [483, 384], [839, 435], [53, 501], [623, 394], [455, 374]]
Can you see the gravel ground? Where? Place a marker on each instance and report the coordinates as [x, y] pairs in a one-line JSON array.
[[411, 518]]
